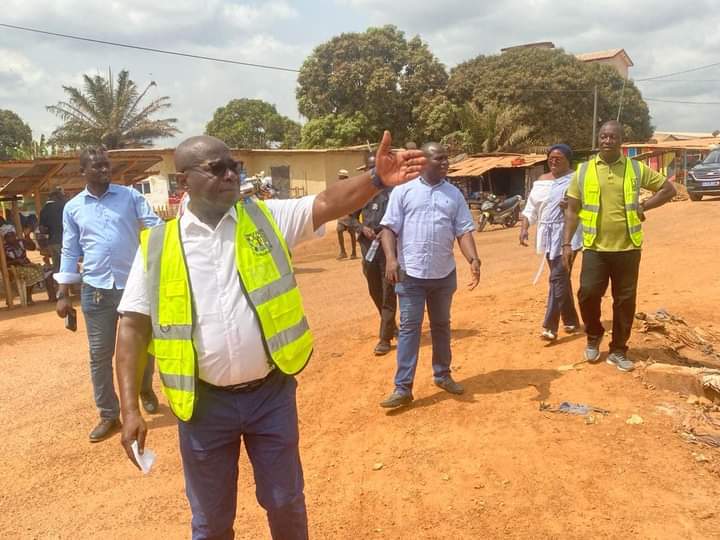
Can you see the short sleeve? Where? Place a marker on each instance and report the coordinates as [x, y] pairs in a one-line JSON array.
[[393, 218], [463, 220], [294, 218], [573, 190], [135, 297], [651, 180], [531, 206]]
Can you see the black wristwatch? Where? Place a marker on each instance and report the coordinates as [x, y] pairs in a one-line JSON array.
[[376, 180], [59, 295]]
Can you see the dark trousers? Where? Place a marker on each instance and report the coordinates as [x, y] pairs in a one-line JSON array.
[[383, 294], [99, 306], [266, 419], [560, 300], [413, 295], [621, 269]]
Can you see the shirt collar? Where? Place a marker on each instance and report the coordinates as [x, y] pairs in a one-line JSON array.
[[112, 188], [621, 159], [190, 220], [440, 183]]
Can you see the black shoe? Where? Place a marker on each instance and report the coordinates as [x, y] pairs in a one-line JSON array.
[[449, 385], [149, 401], [104, 429], [382, 348], [396, 399]]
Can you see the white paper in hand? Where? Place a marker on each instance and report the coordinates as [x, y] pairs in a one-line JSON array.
[[145, 460]]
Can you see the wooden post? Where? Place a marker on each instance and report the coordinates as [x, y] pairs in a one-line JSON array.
[[5, 275], [38, 204], [16, 219]]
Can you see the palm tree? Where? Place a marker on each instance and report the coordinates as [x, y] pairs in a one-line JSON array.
[[110, 114], [493, 129]]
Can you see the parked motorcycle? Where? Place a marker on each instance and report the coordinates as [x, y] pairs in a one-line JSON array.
[[494, 211]]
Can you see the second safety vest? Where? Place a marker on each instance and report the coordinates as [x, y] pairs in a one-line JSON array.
[[266, 276], [589, 186]]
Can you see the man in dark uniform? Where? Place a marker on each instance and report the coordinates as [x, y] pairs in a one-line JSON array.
[[381, 291]]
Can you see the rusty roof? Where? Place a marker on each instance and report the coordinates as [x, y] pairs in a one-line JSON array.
[[476, 165], [703, 143], [22, 177], [604, 55]]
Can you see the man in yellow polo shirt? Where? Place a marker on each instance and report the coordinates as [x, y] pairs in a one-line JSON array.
[[604, 196]]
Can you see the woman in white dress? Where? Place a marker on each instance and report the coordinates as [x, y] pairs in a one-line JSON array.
[[545, 206]]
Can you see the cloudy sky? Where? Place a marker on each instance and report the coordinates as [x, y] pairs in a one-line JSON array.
[[660, 37]]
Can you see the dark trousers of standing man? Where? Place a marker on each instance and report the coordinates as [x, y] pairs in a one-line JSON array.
[[265, 419], [383, 295], [621, 269]]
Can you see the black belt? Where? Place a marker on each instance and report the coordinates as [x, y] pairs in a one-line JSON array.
[[242, 387]]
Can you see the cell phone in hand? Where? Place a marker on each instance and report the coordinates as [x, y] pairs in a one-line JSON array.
[[71, 320]]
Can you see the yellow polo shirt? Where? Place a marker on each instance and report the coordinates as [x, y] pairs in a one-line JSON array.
[[612, 234]]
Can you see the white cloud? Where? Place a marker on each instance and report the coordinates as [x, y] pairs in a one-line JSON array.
[[659, 37]]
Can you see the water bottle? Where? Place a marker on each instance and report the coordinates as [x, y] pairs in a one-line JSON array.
[[370, 255]]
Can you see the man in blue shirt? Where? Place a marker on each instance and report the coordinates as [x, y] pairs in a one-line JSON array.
[[422, 221], [102, 225]]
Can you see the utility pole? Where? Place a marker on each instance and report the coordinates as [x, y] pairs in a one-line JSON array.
[[594, 130]]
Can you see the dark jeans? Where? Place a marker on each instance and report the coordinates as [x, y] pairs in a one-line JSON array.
[[413, 295], [621, 268], [560, 300], [99, 306], [383, 294], [266, 419]]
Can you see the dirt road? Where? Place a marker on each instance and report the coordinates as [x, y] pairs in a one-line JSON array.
[[484, 465]]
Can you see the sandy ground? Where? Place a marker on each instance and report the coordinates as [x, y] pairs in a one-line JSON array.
[[487, 464]]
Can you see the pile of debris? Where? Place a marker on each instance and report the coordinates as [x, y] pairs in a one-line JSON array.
[[702, 427], [685, 359], [690, 346]]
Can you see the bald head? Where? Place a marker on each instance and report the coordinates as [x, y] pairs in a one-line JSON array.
[[196, 150], [432, 148], [437, 162]]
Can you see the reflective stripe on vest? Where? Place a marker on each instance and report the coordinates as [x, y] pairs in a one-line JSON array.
[[266, 276], [589, 187]]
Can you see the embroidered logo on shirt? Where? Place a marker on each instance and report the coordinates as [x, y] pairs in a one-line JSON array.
[[258, 242]]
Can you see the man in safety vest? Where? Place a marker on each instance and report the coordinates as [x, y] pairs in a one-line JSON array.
[[213, 296], [604, 195]]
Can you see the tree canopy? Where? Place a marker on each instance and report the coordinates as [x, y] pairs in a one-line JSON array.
[[253, 123], [554, 92], [111, 113], [379, 73], [14, 134]]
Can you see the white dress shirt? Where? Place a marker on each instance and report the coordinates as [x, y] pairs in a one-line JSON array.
[[227, 334]]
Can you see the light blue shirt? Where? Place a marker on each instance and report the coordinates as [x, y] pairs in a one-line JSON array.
[[427, 220], [105, 233]]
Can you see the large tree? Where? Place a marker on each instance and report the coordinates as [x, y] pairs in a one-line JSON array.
[[111, 113], [334, 130], [554, 91], [378, 73], [253, 123], [14, 134]]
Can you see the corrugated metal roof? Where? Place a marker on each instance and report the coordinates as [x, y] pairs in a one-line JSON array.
[[703, 143], [477, 165], [603, 55], [26, 176]]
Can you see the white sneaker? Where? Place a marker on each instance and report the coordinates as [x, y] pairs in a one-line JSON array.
[[570, 328], [548, 335]]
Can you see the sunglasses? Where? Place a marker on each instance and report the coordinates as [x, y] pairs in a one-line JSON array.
[[219, 167]]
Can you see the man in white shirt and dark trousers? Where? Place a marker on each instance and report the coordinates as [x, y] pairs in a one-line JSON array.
[[214, 295]]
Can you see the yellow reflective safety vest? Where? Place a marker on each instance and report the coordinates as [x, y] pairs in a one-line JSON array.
[[589, 187], [268, 282]]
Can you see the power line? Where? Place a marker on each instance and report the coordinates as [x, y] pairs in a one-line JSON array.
[[681, 80], [150, 49], [691, 70], [683, 102]]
